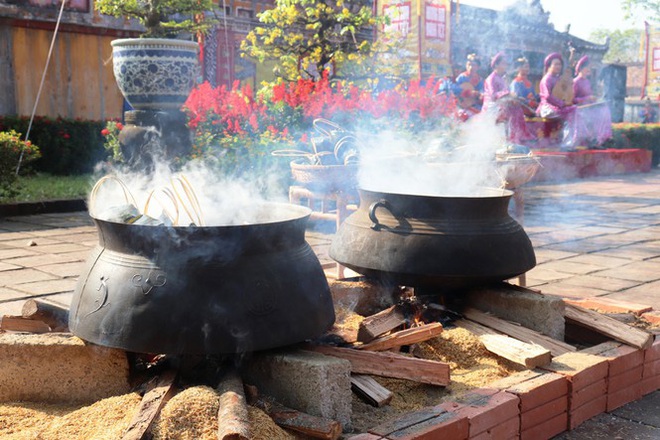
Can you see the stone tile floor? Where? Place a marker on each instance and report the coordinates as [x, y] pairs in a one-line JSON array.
[[592, 237]]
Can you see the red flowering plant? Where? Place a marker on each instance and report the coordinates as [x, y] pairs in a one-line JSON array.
[[111, 139], [239, 125], [13, 150]]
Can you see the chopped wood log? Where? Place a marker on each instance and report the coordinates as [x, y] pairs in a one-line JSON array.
[[380, 323], [370, 391], [20, 324], [54, 315], [609, 327], [158, 393], [233, 421], [522, 353], [519, 332], [404, 337], [309, 425], [388, 364]]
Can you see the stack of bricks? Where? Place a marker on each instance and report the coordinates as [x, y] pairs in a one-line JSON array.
[[543, 400], [587, 384], [625, 372], [491, 414], [651, 368]]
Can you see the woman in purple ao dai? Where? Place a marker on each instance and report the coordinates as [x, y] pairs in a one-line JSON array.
[[594, 121], [497, 99], [553, 107]]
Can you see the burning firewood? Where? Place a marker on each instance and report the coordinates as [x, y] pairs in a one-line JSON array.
[[380, 323], [159, 392], [233, 422], [404, 337]]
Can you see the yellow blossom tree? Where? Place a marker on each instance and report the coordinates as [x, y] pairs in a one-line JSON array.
[[305, 37]]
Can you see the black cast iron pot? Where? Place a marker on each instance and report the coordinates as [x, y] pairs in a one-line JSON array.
[[203, 290], [432, 240]]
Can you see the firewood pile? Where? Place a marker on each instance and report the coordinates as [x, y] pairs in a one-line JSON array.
[[414, 345]]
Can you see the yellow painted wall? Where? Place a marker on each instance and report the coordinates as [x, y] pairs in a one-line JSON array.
[[79, 83]]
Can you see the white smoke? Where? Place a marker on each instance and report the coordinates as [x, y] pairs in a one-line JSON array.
[[395, 164]]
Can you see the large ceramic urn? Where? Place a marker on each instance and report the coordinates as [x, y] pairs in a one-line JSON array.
[[155, 73]]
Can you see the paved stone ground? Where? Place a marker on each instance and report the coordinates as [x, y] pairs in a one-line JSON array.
[[596, 237]]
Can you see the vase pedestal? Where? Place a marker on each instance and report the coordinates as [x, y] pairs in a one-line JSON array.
[[151, 136]]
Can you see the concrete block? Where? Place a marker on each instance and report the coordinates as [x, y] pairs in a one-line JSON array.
[[546, 430], [59, 367], [580, 369], [365, 436], [313, 383], [363, 297], [426, 424], [579, 415], [543, 413], [543, 313], [540, 390]]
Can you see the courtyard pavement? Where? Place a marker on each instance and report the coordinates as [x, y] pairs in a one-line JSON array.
[[592, 237]]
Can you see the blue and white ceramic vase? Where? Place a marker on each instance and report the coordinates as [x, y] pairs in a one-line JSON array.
[[155, 73]]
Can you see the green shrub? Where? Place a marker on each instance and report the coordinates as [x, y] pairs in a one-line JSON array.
[[629, 135], [68, 146], [11, 150]]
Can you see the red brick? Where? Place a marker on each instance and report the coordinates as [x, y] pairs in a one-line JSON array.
[[515, 379], [579, 415], [446, 425], [509, 429], [484, 408], [587, 394], [624, 380], [653, 317], [425, 424], [608, 305], [621, 357], [652, 353], [543, 413], [546, 430], [650, 385], [581, 369], [623, 396], [651, 369], [540, 390]]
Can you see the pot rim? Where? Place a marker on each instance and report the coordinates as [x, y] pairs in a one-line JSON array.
[[297, 213], [163, 41], [492, 193]]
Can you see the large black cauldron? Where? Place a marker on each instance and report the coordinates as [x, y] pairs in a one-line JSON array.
[[203, 290], [436, 241]]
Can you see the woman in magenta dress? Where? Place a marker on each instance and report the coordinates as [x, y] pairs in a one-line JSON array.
[[497, 98], [469, 88], [594, 121], [553, 107], [522, 87]]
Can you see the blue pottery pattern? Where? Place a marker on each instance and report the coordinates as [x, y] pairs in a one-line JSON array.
[[155, 73]]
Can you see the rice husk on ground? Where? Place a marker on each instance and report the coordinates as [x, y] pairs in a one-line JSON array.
[[106, 419], [471, 365]]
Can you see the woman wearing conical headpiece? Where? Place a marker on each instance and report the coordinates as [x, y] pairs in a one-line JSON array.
[[553, 107], [594, 119], [498, 99]]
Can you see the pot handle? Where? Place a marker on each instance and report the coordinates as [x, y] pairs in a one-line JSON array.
[[372, 212]]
